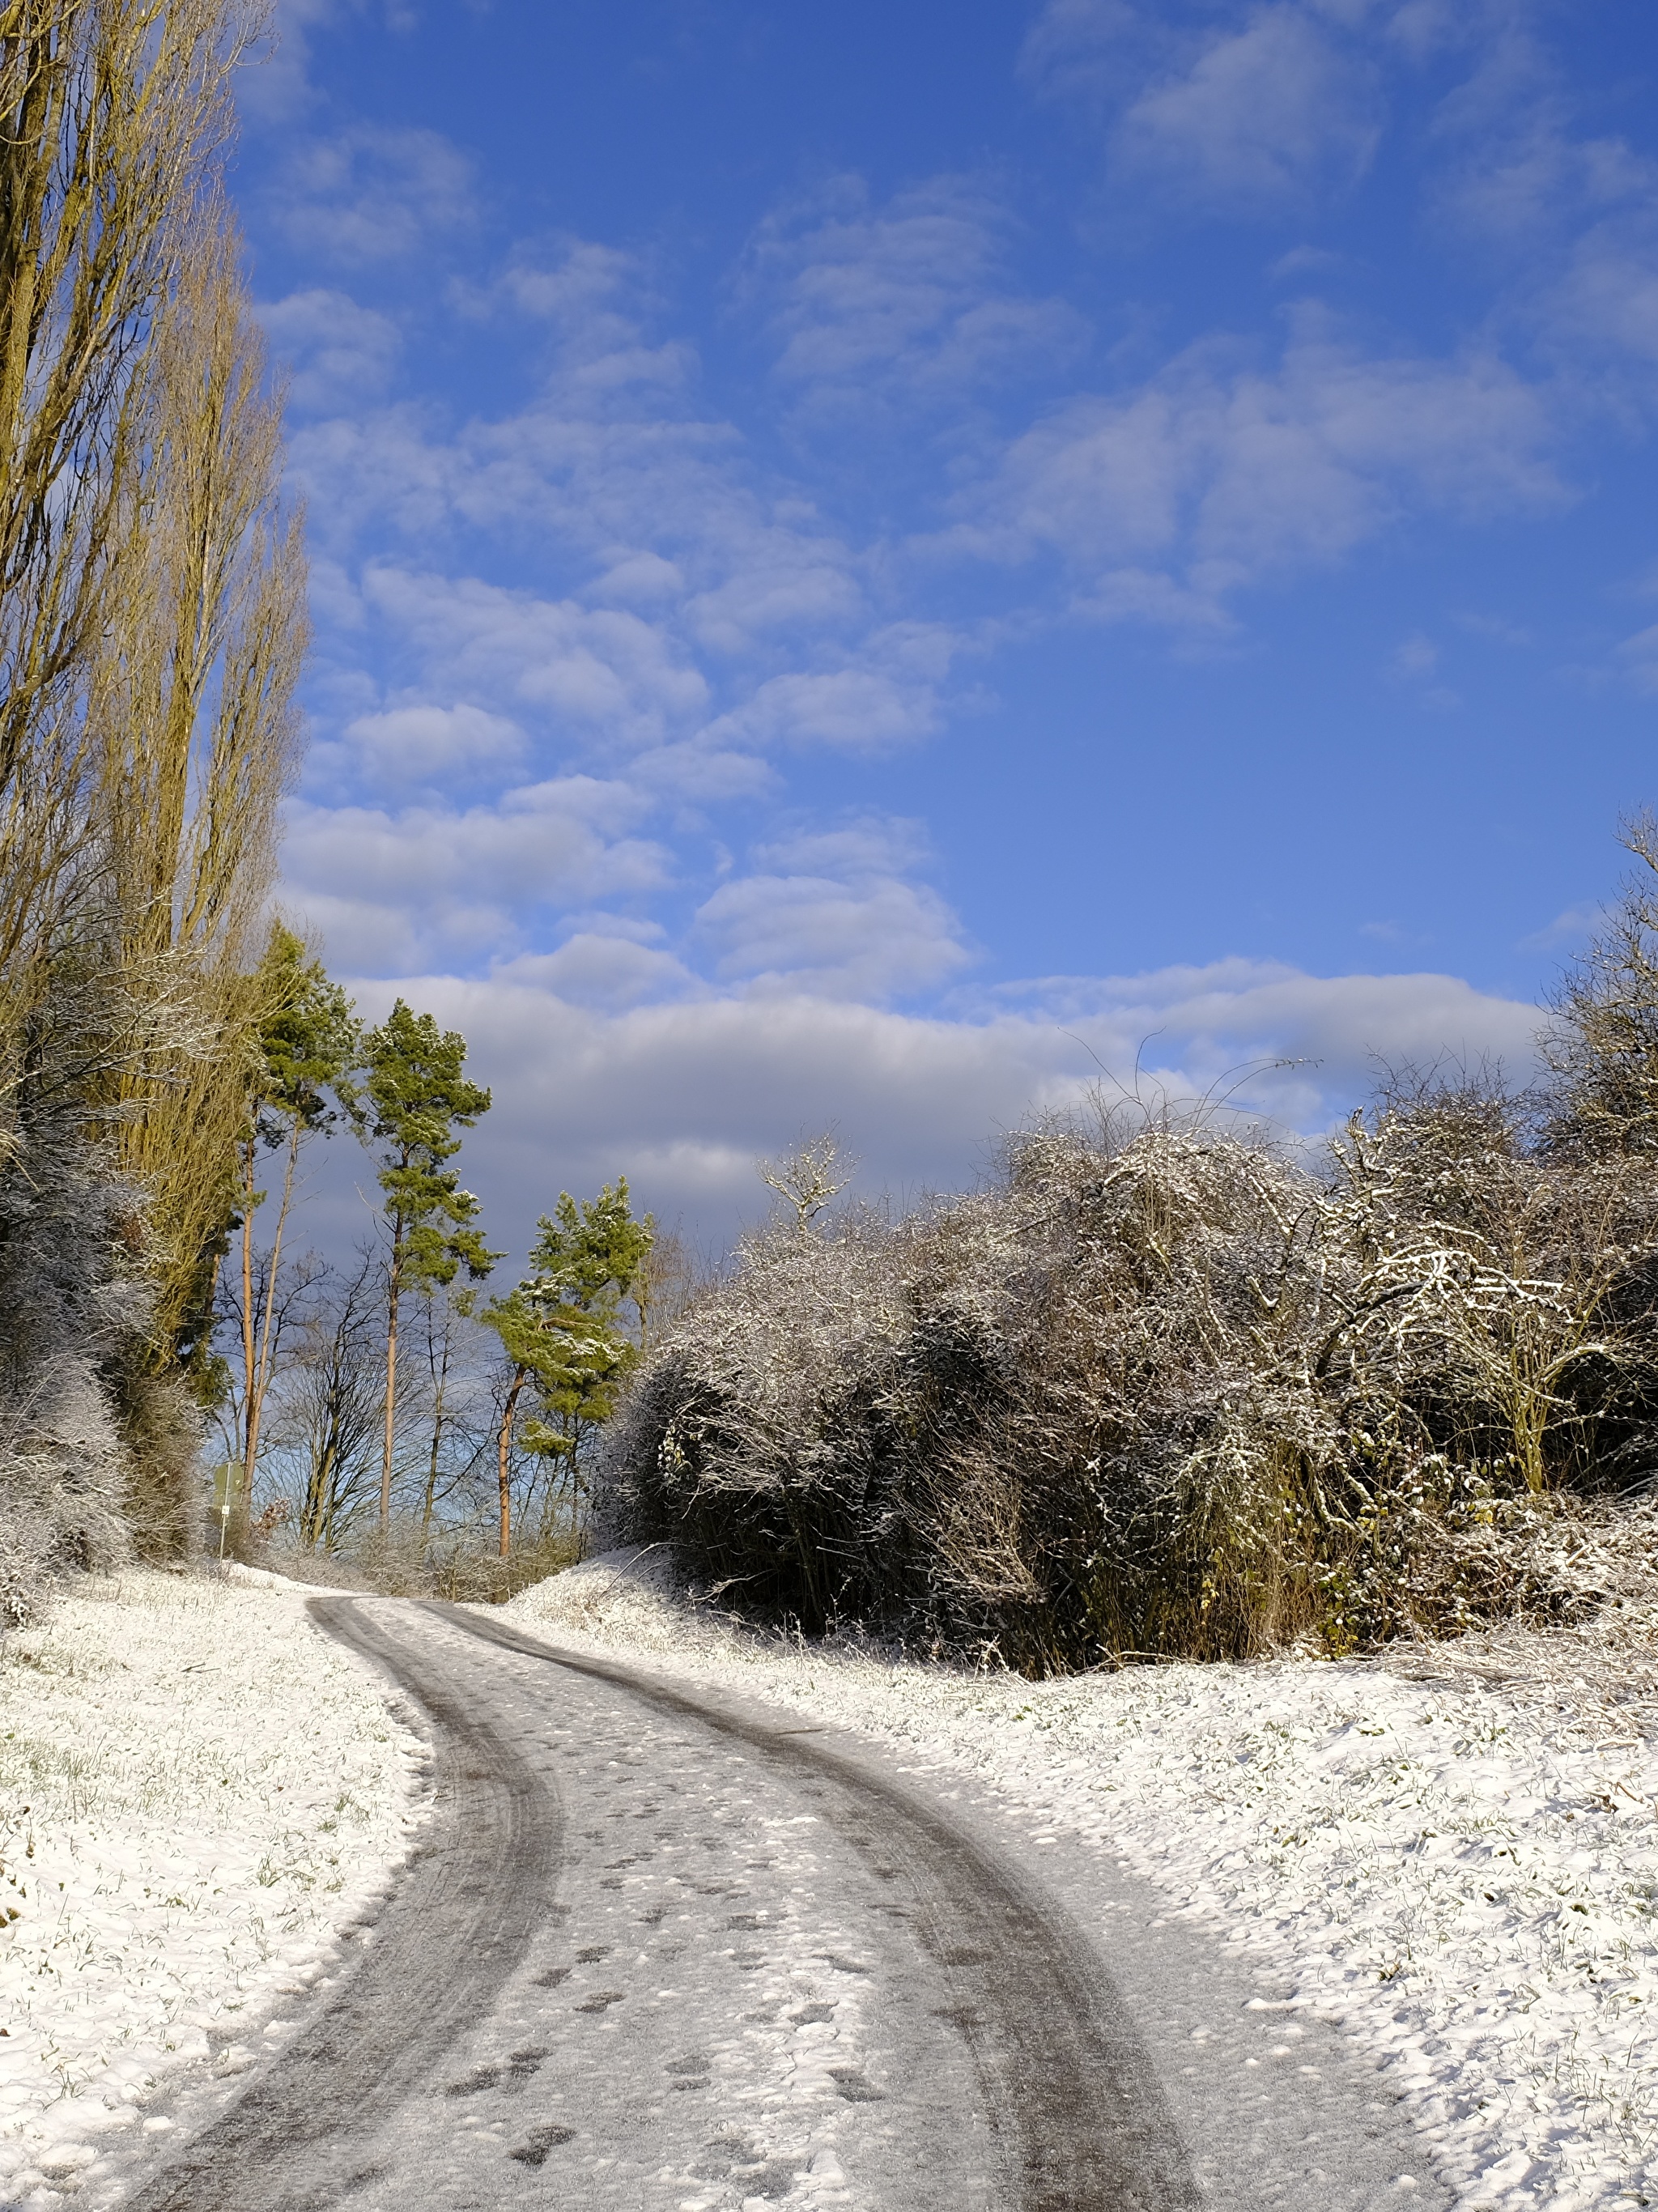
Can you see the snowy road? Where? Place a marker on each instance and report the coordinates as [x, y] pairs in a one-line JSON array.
[[663, 1950]]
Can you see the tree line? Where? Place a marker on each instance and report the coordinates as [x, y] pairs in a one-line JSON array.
[[369, 1409], [158, 1041], [151, 627]]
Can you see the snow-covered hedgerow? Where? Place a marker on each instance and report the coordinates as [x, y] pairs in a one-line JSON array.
[[1451, 1851], [1168, 1390], [197, 1789]]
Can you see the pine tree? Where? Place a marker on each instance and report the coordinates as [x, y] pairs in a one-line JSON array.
[[562, 1327], [414, 1096], [305, 1050]]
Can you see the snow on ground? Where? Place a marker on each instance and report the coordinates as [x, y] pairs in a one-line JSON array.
[[1463, 1870], [197, 1790]]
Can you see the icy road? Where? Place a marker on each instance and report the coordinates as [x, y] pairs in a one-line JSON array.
[[660, 1948]]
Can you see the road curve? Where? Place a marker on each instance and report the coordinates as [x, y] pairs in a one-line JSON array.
[[659, 1949]]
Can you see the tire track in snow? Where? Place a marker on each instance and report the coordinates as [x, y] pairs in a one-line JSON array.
[[482, 1879], [987, 2062], [1066, 2084]]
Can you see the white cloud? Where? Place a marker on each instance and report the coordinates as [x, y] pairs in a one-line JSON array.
[[275, 87], [1270, 105], [1204, 1024], [682, 1098], [609, 966], [372, 193], [911, 297], [1570, 930], [1219, 472], [1571, 215], [592, 672], [831, 914], [799, 590], [1608, 294], [852, 710], [703, 772], [873, 847], [1259, 116], [390, 888], [1415, 662], [719, 617], [596, 300], [1639, 656], [1099, 49], [383, 469], [420, 743], [341, 355]]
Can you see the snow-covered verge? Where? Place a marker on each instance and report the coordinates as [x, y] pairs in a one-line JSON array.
[[197, 1790], [1453, 1852]]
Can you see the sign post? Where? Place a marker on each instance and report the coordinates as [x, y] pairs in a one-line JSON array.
[[226, 1480]]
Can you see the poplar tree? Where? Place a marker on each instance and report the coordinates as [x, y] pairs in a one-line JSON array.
[[151, 630], [197, 737], [415, 1095], [113, 119]]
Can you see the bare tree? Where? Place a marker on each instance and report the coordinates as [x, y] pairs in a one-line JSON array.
[[1601, 1046], [667, 1284], [806, 1177], [198, 739], [327, 1423]]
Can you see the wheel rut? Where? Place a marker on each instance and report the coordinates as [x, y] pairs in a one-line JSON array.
[[660, 1950], [480, 1883], [1067, 2087]]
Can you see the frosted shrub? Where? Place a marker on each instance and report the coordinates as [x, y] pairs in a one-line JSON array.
[[74, 1311], [1171, 1393]]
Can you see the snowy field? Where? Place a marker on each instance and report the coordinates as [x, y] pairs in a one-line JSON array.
[[1454, 1854], [197, 1790]]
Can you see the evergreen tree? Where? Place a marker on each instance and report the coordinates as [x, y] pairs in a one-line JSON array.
[[304, 1052], [415, 1095], [562, 1329]]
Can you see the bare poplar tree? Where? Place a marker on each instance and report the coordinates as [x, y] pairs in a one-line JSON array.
[[196, 739], [1602, 1046], [149, 634], [112, 115]]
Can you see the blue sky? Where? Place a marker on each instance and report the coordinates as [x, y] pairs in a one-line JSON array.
[[868, 562]]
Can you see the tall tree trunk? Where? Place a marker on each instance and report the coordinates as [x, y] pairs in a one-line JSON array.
[[261, 1383], [393, 1290], [504, 1455], [440, 1373], [250, 1363]]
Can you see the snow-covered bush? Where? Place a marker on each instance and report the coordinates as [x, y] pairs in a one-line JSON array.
[[1166, 1392], [71, 1310], [76, 1380]]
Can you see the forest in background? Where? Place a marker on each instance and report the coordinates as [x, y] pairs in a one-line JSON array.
[[388, 1411]]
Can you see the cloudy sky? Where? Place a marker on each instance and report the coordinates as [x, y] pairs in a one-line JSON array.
[[873, 563]]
